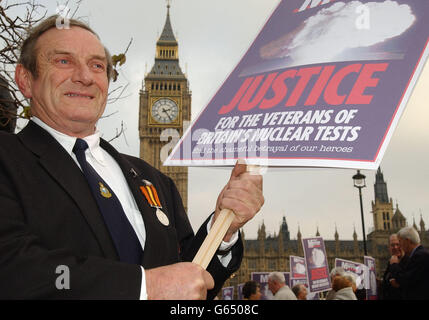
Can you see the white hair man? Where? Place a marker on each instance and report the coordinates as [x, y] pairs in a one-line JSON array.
[[345, 287], [277, 285], [336, 272], [413, 278]]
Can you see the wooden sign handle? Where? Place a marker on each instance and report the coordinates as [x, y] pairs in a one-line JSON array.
[[216, 234]]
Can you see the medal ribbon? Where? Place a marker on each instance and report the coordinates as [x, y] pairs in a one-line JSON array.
[[151, 195]]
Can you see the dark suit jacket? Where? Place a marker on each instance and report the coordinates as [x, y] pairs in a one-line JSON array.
[[49, 218], [413, 277], [387, 292]]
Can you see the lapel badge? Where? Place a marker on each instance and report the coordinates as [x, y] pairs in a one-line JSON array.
[[104, 191], [152, 198]]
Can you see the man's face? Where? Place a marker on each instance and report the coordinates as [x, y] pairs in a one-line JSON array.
[[394, 247], [272, 286], [405, 245], [70, 92]]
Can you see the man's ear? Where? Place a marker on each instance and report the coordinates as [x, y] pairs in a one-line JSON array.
[[23, 79]]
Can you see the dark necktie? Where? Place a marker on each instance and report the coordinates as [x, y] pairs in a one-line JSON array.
[[123, 235]]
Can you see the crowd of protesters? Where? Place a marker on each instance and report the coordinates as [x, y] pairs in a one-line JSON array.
[[406, 276]]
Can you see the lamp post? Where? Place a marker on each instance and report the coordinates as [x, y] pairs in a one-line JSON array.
[[359, 182]]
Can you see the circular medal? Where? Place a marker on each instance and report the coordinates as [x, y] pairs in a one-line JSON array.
[[162, 217]]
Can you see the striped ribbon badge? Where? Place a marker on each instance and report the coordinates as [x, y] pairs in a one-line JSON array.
[[151, 194]]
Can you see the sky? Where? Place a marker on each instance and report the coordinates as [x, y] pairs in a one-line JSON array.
[[213, 36]]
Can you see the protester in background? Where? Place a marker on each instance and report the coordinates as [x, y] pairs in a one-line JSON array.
[[300, 291], [345, 287], [412, 278], [251, 291], [336, 272], [277, 285], [389, 289]]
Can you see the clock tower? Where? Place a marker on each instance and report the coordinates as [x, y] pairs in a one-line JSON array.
[[165, 104]]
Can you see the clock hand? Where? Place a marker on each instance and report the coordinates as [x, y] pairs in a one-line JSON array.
[[168, 115]]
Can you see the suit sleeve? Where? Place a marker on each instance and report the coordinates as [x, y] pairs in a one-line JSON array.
[[190, 244], [412, 274], [30, 270]]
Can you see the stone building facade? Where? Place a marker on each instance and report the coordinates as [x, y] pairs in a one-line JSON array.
[[271, 253]]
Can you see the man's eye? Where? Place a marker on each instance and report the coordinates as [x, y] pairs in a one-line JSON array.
[[99, 66], [63, 61]]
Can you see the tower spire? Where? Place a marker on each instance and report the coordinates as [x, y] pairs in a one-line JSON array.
[[167, 35], [380, 187]]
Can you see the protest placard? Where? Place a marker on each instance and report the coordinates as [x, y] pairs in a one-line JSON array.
[[323, 84], [227, 293], [358, 269], [371, 292], [316, 264]]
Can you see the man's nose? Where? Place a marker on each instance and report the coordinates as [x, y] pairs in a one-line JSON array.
[[82, 74]]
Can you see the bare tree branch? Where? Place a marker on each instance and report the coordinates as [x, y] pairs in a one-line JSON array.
[[13, 29]]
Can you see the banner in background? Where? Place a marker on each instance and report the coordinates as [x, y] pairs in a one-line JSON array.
[[371, 292], [359, 269], [297, 267], [228, 293], [317, 264]]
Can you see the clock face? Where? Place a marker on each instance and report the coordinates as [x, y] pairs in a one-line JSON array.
[[165, 111]]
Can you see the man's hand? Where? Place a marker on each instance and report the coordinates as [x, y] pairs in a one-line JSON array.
[[180, 281], [394, 259], [394, 283], [242, 195]]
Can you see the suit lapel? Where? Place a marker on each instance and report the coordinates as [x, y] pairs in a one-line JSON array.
[[134, 179], [61, 167], [155, 231]]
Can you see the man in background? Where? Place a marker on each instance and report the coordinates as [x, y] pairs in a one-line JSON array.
[[336, 272], [279, 288], [389, 288], [251, 290], [413, 277], [300, 291]]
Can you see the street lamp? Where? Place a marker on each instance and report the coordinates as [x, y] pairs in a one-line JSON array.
[[359, 182]]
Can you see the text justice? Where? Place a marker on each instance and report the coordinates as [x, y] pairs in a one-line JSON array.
[[255, 91]]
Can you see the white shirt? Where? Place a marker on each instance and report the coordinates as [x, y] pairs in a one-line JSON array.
[[104, 164]]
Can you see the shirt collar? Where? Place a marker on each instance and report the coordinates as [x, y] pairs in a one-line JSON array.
[[68, 142]]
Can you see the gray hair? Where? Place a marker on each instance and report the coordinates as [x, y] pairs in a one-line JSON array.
[[337, 271], [409, 233], [350, 276], [277, 277], [28, 54]]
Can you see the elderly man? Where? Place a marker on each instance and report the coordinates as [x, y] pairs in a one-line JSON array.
[[335, 272], [413, 278], [80, 220], [279, 288], [300, 291], [389, 289]]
